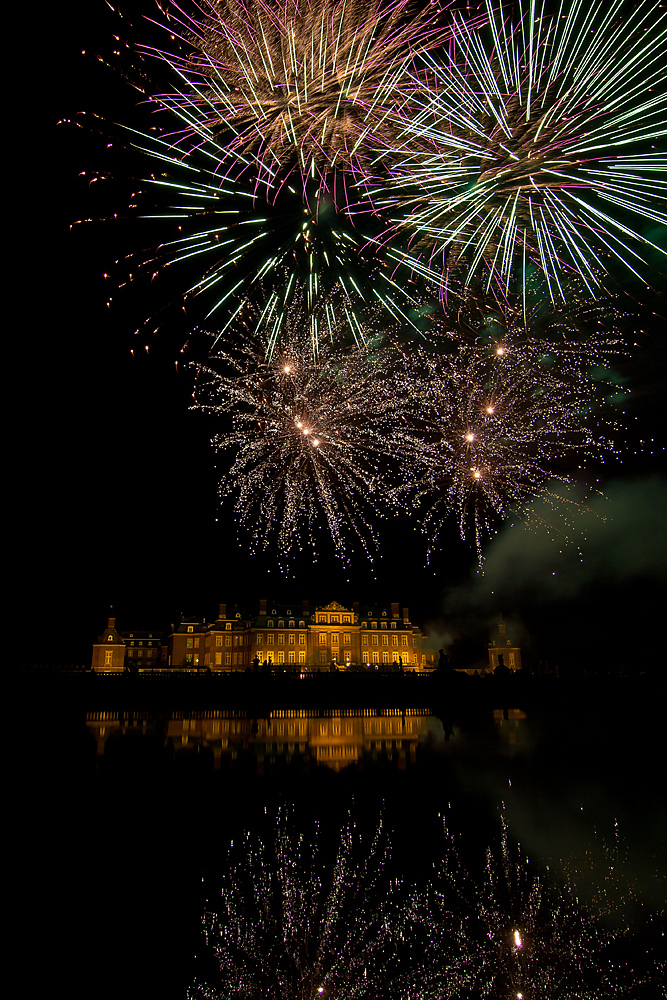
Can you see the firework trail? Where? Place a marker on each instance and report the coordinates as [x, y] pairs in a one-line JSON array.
[[305, 86], [311, 430], [549, 132]]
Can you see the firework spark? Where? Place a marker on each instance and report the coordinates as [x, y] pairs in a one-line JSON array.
[[500, 418], [311, 426], [548, 130], [306, 85]]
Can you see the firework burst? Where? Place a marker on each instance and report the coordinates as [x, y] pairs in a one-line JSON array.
[[311, 425], [499, 417], [306, 86], [549, 130]]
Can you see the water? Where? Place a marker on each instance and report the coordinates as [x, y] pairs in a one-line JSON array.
[[131, 810]]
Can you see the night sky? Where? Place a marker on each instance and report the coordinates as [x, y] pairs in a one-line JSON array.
[[121, 506]]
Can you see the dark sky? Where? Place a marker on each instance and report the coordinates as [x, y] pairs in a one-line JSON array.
[[121, 506]]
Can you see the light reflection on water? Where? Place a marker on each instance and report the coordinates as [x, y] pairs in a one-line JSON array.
[[162, 791]]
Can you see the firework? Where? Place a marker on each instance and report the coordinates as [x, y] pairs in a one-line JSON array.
[[296, 921], [499, 418], [223, 242], [310, 428], [316, 87], [548, 130]]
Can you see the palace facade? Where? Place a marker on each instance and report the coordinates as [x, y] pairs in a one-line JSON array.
[[279, 637]]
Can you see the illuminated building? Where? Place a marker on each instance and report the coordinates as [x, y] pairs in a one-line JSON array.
[[504, 645], [280, 637]]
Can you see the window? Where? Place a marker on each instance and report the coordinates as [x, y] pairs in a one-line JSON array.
[[218, 640], [374, 624], [291, 624], [237, 640], [364, 640], [260, 638], [302, 656], [323, 638], [323, 656], [228, 659], [404, 640], [334, 638], [110, 639], [364, 625], [346, 619], [385, 640], [383, 625], [218, 659], [335, 620], [346, 639], [228, 627], [302, 640], [385, 657], [511, 659], [270, 624], [281, 656], [269, 638], [375, 640], [189, 628], [290, 656], [376, 657], [364, 657], [281, 624], [228, 640], [196, 643], [393, 624], [108, 657], [394, 640], [291, 638], [188, 643], [302, 624]]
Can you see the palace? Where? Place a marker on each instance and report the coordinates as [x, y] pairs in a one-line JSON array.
[[280, 637]]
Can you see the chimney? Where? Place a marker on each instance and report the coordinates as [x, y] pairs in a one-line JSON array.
[[355, 607], [112, 623], [222, 611], [262, 607], [305, 608], [406, 616], [394, 610]]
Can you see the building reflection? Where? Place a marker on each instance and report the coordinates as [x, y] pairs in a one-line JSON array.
[[331, 738]]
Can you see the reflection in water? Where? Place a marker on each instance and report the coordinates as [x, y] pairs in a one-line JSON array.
[[298, 917], [335, 738], [292, 921]]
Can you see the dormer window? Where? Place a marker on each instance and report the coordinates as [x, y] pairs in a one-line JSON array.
[[281, 623], [291, 624], [110, 639], [302, 624], [364, 624], [190, 629], [228, 626], [383, 625], [269, 624], [374, 624], [393, 624]]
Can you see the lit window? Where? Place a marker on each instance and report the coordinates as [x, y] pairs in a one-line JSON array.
[[281, 656], [335, 620], [290, 656], [374, 624], [302, 640], [364, 625], [291, 624], [110, 639], [385, 657], [364, 657], [189, 643], [302, 656], [291, 639], [108, 657], [228, 627], [281, 624], [383, 625], [302, 624], [228, 659], [189, 628]]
